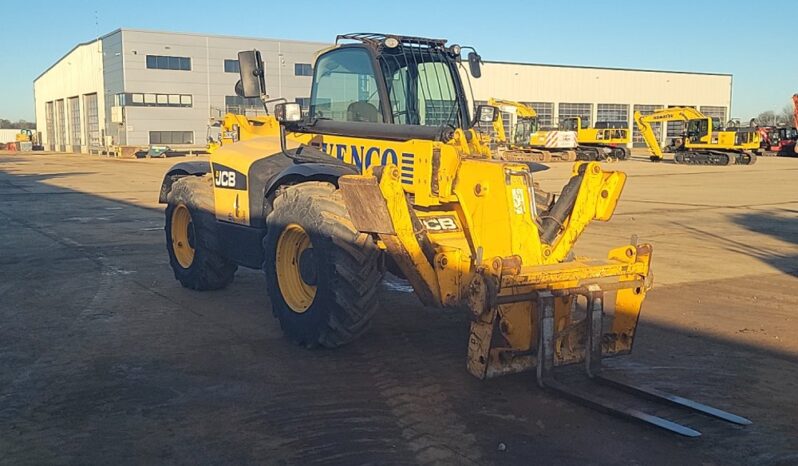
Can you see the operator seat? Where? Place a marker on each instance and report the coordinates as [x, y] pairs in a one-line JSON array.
[[363, 111]]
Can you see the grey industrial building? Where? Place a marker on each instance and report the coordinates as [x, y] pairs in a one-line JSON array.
[[138, 88]]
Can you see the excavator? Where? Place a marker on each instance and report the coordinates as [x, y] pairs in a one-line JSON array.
[[611, 142], [705, 142], [386, 172], [528, 141]]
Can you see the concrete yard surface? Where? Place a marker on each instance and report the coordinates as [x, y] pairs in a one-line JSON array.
[[105, 359]]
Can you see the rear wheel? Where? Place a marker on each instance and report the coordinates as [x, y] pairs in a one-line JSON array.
[[191, 236], [322, 274]]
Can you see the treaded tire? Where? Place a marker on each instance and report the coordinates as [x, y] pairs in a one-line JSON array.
[[209, 270], [348, 267]]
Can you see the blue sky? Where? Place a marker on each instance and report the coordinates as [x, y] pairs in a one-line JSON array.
[[752, 41]]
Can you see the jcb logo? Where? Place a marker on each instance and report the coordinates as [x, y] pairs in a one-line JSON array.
[[225, 179], [440, 224]]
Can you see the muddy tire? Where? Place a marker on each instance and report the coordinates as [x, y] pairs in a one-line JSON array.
[[322, 275], [191, 236]]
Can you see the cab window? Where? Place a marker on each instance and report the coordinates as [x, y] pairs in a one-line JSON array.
[[421, 89], [345, 88]]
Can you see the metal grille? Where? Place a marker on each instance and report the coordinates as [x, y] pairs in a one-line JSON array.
[[612, 112], [545, 111], [438, 112], [92, 120], [60, 118], [637, 138], [74, 123], [584, 111], [50, 125]]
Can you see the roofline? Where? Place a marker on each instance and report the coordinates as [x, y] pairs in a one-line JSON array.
[[499, 62], [153, 31], [221, 36], [79, 45]]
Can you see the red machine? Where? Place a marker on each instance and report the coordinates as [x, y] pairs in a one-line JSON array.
[[795, 110]]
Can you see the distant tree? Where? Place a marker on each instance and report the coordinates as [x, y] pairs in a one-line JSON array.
[[19, 124], [786, 115], [767, 118]]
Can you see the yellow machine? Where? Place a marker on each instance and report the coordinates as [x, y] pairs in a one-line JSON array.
[[25, 135], [387, 172], [611, 141], [705, 142], [528, 141], [234, 128]]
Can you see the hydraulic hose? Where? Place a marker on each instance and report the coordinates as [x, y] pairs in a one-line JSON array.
[[552, 221]]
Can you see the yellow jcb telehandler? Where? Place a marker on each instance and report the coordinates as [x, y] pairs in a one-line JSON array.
[[386, 172]]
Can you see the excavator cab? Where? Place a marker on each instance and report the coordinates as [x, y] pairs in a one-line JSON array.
[[698, 129], [524, 128]]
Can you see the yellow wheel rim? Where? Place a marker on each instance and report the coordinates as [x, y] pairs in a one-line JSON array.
[[297, 293], [182, 236]]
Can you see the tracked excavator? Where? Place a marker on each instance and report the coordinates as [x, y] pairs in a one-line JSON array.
[[386, 172], [528, 141], [704, 141], [608, 141]]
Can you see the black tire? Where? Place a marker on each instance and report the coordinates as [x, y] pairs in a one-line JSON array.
[[749, 158], [346, 267], [208, 270]]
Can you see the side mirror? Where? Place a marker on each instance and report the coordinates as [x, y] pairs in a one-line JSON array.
[[474, 64], [487, 114], [253, 80], [289, 112]]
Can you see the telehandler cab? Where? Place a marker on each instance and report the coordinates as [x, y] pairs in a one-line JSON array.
[[387, 172]]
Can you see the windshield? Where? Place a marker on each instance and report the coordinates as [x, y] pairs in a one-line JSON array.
[[524, 128], [421, 87]]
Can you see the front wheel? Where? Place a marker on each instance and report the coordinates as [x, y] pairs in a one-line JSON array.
[[321, 273], [191, 237]]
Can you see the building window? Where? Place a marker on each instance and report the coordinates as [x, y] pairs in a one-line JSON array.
[[74, 121], [583, 111], [136, 99], [49, 113], [171, 137], [92, 119], [718, 113], [675, 129], [60, 119], [303, 102], [303, 69], [616, 113], [232, 66], [162, 62], [545, 111], [239, 105], [637, 138]]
